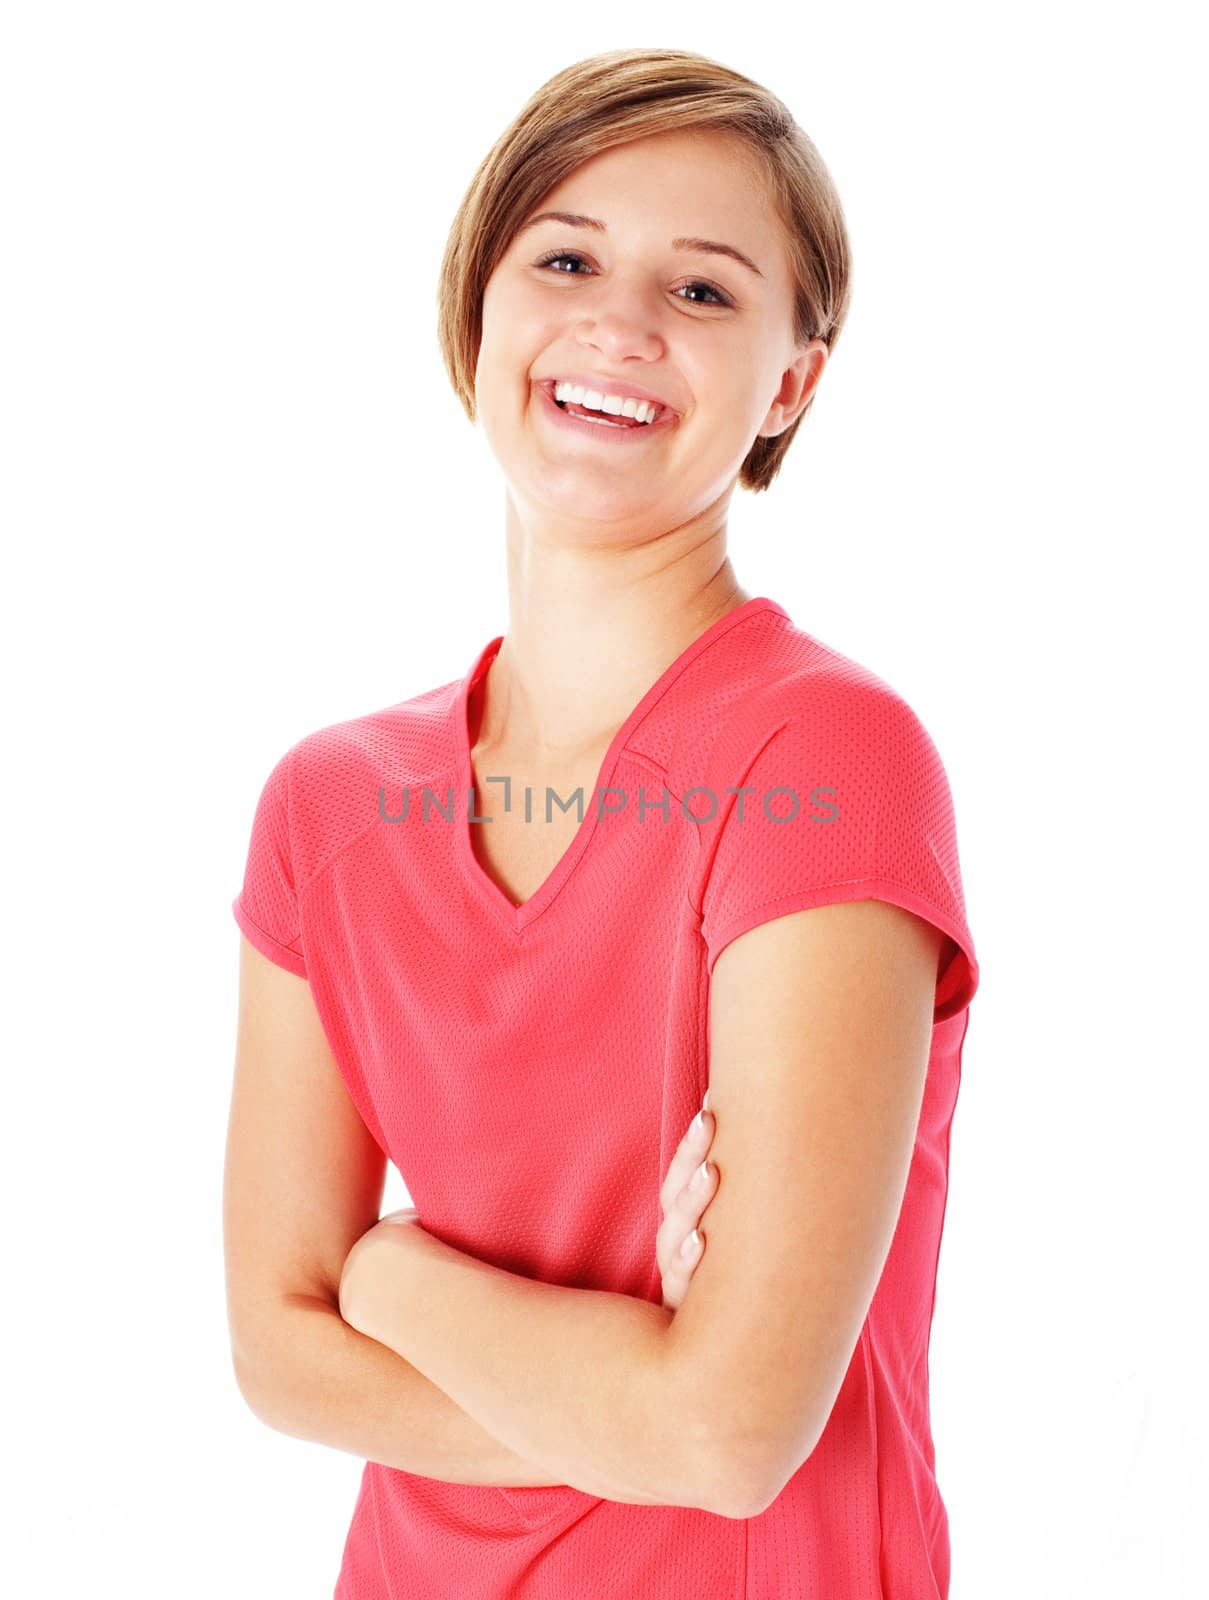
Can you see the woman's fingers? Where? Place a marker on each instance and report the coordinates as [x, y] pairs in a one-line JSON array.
[[686, 1213], [679, 1243], [690, 1153], [682, 1202]]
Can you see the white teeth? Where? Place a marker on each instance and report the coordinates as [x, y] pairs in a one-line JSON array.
[[610, 404]]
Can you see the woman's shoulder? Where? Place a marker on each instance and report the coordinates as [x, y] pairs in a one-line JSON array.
[[334, 780], [822, 695]]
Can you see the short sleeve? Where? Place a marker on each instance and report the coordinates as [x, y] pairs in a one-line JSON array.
[[266, 908], [847, 802]]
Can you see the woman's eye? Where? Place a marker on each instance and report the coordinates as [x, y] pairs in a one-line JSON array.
[[720, 298], [560, 255]]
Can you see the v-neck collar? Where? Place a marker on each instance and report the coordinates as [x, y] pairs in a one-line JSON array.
[[513, 917]]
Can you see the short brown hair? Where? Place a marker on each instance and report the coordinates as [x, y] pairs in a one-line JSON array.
[[608, 100]]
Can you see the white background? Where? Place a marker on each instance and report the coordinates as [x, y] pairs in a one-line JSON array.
[[241, 502]]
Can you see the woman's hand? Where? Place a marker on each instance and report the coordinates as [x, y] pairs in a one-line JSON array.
[[683, 1202], [359, 1275]]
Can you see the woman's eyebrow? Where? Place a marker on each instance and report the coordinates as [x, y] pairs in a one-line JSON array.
[[572, 219]]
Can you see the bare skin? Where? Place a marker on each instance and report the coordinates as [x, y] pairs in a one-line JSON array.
[[516, 852]]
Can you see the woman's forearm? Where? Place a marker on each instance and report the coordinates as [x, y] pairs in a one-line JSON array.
[[324, 1381], [581, 1379]]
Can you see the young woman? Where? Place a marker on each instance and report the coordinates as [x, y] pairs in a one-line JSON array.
[[450, 965]]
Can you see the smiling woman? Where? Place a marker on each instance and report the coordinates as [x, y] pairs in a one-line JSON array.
[[575, 170], [640, 294], [732, 362]]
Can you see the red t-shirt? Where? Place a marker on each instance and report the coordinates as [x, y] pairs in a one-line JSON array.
[[531, 1069]]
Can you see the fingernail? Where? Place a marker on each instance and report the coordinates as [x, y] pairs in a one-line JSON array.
[[699, 1125], [691, 1244], [701, 1177], [705, 1102]]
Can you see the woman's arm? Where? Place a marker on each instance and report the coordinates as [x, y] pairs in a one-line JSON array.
[[303, 1180], [325, 1382], [820, 1027], [579, 1379]]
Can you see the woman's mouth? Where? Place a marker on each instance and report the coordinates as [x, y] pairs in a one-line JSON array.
[[596, 425]]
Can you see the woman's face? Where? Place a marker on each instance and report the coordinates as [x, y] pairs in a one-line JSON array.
[[697, 329]]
